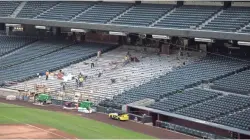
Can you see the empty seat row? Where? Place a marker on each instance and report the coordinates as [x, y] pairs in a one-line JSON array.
[[32, 51], [185, 99], [143, 14], [102, 12], [11, 43], [230, 20], [237, 83], [52, 61], [239, 120], [216, 108], [187, 17], [8, 7], [207, 70], [65, 11], [33, 8]]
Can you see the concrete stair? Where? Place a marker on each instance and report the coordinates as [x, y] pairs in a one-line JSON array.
[[18, 9], [168, 13]]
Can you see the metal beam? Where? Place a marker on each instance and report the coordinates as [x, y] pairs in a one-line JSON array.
[[132, 29]]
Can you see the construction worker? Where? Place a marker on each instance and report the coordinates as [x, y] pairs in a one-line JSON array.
[[47, 74], [81, 79]]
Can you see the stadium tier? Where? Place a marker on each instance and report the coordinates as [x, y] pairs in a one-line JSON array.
[[239, 120], [209, 69], [52, 61], [32, 51], [142, 15], [8, 7], [230, 20], [187, 17], [215, 18], [33, 8], [9, 44], [218, 107], [237, 83], [185, 99]]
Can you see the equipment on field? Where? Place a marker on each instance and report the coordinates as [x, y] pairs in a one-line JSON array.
[[119, 116], [86, 107], [44, 98]]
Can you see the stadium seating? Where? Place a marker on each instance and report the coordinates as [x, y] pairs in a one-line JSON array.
[[34, 8], [237, 83], [32, 51], [239, 120], [246, 30], [230, 20], [102, 12], [8, 7], [185, 99], [187, 17], [142, 15], [65, 11], [52, 61], [126, 77], [209, 69], [10, 43], [217, 107]]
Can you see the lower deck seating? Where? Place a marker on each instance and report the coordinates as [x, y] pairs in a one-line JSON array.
[[239, 120], [237, 83], [185, 99], [32, 51], [216, 108], [207, 70], [11, 43], [246, 30], [53, 61]]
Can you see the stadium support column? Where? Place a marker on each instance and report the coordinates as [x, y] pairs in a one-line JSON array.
[[2, 26], [227, 4], [58, 31], [7, 29]]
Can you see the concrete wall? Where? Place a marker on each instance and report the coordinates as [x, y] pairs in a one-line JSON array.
[[243, 4], [206, 3]]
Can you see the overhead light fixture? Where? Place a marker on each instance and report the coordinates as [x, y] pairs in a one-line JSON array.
[[40, 27], [160, 36], [117, 33], [78, 30], [243, 43], [204, 40], [13, 25]]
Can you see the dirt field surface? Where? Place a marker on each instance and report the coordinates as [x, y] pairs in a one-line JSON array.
[[22, 131], [137, 127]]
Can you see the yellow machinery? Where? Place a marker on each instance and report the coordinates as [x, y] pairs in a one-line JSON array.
[[119, 116]]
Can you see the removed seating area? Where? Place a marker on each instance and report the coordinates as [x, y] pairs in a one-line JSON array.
[[187, 16], [230, 20], [33, 8], [32, 51], [216, 108], [246, 30], [102, 12], [11, 43], [185, 99], [143, 14], [65, 11], [8, 7], [237, 83], [207, 70], [239, 120], [51, 62]]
